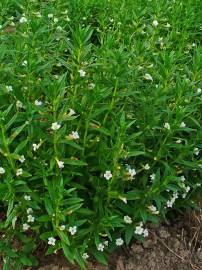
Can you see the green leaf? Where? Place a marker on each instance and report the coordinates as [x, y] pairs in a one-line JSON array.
[[63, 236], [129, 232], [100, 257], [75, 162], [67, 252], [135, 153], [48, 205]]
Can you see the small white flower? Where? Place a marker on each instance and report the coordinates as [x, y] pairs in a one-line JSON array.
[[55, 20], [146, 167], [73, 230], [179, 141], [35, 146], [38, 102], [167, 126], [175, 195], [139, 230], [62, 227], [22, 159], [51, 241], [127, 219], [119, 241], [145, 233], [23, 19], [2, 170], [85, 256], [152, 176], [196, 151], [182, 178], [19, 172], [108, 175], [187, 189], [168, 25], [100, 247], [131, 172], [106, 243], [74, 135], [29, 210], [148, 77], [19, 104], [82, 73], [182, 125], [198, 90], [55, 126], [60, 164], [184, 195], [59, 28], [153, 209], [9, 88], [25, 227], [30, 218], [198, 184], [27, 198], [91, 85], [24, 63], [50, 15], [123, 199], [155, 23], [71, 112]]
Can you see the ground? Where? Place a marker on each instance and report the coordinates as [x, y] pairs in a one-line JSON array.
[[173, 246]]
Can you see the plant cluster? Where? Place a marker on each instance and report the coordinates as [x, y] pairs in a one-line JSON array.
[[100, 123]]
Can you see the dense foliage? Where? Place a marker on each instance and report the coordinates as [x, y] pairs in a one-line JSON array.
[[100, 123]]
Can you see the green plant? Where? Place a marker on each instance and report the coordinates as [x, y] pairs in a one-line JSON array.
[[100, 123]]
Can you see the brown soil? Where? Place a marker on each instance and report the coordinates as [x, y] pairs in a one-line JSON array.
[[176, 246]]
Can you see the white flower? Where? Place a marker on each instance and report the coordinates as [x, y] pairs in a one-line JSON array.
[[25, 227], [23, 19], [38, 102], [107, 175], [146, 167], [127, 219], [198, 184], [196, 151], [59, 28], [85, 256], [106, 243], [182, 125], [73, 230], [24, 63], [2, 170], [184, 195], [71, 112], [82, 73], [35, 146], [51, 241], [131, 172], [62, 227], [19, 104], [119, 241], [55, 20], [55, 126], [30, 218], [167, 125], [19, 172], [100, 247], [182, 178], [74, 135], [187, 189], [145, 233], [123, 199], [29, 210], [50, 15], [175, 195], [22, 159], [139, 230], [155, 23], [179, 141], [148, 77], [168, 25], [198, 90], [9, 88], [91, 85], [152, 176], [27, 198], [60, 164], [153, 209]]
